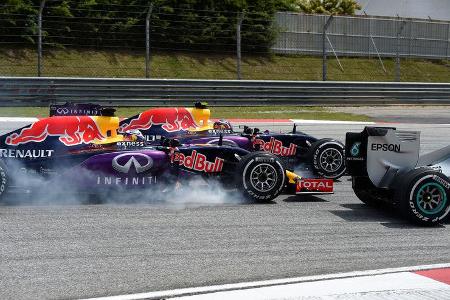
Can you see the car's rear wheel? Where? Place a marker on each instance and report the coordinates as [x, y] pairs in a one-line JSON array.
[[423, 196], [260, 176]]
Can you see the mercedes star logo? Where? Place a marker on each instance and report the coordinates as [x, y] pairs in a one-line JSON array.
[[140, 161]]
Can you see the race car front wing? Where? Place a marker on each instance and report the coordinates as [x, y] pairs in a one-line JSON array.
[[314, 186]]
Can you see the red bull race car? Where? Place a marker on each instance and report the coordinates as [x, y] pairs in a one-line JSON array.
[[87, 147], [300, 152]]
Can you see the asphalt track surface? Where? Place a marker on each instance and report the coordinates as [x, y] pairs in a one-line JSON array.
[[401, 114], [76, 251]]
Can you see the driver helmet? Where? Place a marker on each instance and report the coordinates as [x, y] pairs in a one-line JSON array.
[[134, 135], [222, 125]]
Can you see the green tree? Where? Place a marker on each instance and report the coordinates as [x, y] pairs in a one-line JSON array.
[[194, 25], [329, 7]]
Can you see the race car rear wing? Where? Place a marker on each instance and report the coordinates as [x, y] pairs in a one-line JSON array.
[[81, 109], [380, 152]]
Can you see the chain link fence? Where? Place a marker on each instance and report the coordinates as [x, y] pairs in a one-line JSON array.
[[156, 42]]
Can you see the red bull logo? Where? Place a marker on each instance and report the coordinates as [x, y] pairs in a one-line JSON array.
[[172, 119], [198, 162], [71, 130], [275, 146]]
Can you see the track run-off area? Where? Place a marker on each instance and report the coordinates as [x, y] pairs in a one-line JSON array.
[[81, 251]]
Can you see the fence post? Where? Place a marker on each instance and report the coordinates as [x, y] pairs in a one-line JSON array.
[[240, 18], [324, 47], [448, 41], [147, 41], [39, 62], [397, 59], [370, 35]]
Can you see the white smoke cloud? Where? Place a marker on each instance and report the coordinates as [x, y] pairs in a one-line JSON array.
[[61, 190]]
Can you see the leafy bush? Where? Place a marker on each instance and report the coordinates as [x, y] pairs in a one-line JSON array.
[[175, 24]]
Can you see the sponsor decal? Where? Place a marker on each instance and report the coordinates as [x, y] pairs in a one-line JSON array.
[[113, 180], [198, 162], [354, 158], [43, 170], [220, 131], [71, 130], [152, 138], [265, 159], [71, 109], [275, 146], [64, 111], [315, 185], [385, 147], [441, 181], [171, 119], [354, 151], [130, 144], [137, 162], [3, 180], [22, 153]]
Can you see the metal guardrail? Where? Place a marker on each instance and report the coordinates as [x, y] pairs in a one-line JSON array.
[[30, 91]]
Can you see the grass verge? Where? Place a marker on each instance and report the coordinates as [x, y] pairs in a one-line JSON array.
[[120, 63]]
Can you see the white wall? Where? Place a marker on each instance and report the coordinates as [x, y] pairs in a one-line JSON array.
[[436, 9]]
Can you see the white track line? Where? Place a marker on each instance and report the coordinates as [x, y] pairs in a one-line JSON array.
[[17, 119], [393, 285], [266, 283], [301, 121]]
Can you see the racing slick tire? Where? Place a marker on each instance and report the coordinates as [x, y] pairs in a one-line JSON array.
[[328, 158], [260, 176], [423, 195], [3, 180], [368, 193]]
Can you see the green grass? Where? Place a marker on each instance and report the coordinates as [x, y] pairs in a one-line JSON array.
[[266, 112], [22, 62]]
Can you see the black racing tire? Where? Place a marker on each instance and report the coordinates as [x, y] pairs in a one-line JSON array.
[[260, 176], [4, 181], [368, 193], [328, 158], [423, 196]]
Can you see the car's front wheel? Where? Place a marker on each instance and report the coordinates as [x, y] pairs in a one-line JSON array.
[[260, 176]]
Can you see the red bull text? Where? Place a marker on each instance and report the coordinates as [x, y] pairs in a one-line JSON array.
[[171, 119], [197, 161], [71, 130], [275, 146]]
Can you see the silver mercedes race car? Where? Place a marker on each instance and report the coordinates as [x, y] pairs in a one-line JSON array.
[[386, 168]]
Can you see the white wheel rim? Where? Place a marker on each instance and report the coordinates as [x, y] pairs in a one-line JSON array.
[[263, 177], [331, 160]]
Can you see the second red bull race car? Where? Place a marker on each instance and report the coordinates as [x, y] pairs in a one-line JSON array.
[[87, 147], [300, 152]]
